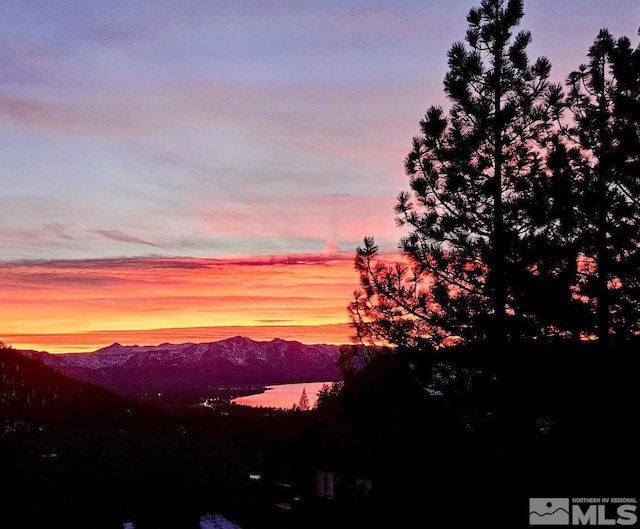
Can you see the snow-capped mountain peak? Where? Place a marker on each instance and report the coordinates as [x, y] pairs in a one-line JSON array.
[[139, 369]]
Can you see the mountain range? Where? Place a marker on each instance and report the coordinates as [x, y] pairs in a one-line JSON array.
[[190, 371]]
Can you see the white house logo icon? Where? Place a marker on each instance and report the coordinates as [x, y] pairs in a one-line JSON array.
[[548, 511]]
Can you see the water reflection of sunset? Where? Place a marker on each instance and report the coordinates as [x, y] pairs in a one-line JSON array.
[[283, 395]]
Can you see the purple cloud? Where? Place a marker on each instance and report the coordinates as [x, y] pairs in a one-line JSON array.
[[117, 235]]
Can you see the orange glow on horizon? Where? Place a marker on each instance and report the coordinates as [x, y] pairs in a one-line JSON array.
[[70, 306], [336, 334]]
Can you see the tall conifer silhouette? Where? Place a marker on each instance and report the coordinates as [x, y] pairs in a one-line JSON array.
[[478, 177], [604, 103]]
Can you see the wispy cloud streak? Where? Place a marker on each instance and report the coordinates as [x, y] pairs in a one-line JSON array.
[[117, 235], [60, 303]]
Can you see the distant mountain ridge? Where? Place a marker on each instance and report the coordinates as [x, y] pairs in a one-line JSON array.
[[195, 369]]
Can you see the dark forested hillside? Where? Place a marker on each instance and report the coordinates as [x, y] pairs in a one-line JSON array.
[[76, 455], [482, 428], [34, 395]]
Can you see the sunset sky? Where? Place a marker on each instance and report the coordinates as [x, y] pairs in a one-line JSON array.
[[191, 170]]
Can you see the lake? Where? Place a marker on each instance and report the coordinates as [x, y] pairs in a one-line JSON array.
[[282, 395]]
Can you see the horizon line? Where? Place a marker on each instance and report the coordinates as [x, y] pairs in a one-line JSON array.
[[88, 341]]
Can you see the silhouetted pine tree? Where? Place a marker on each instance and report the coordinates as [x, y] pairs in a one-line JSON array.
[[303, 404], [604, 103], [549, 248], [480, 209]]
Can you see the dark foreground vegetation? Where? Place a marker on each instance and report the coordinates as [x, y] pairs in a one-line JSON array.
[[423, 439], [523, 245]]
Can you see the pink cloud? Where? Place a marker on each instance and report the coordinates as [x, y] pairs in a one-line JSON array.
[[331, 217], [331, 247]]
